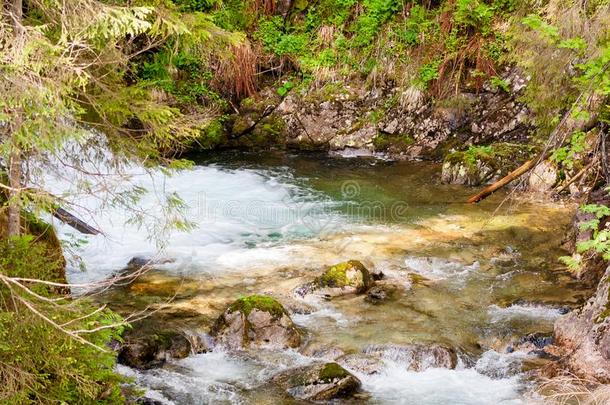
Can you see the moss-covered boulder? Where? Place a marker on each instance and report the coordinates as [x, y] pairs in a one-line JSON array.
[[256, 321], [350, 277], [319, 382]]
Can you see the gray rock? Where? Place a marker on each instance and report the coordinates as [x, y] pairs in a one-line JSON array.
[[145, 349], [415, 357], [582, 337], [319, 382]]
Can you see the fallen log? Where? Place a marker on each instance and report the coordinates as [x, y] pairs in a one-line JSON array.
[[487, 191], [76, 223], [567, 126]]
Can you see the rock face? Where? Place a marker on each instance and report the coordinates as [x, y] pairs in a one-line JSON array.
[[582, 337], [401, 121], [319, 382], [413, 357], [349, 277], [144, 350], [256, 321]]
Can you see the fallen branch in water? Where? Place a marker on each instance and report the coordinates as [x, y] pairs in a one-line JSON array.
[[566, 127], [487, 191]]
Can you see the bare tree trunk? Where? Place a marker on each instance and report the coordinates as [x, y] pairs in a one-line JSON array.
[[14, 207], [14, 166]]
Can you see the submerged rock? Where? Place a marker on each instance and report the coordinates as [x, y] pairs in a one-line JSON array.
[[319, 382], [531, 344], [256, 321], [413, 357], [328, 353], [381, 293], [350, 277]]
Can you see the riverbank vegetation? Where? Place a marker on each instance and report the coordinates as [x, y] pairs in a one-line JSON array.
[[153, 79]]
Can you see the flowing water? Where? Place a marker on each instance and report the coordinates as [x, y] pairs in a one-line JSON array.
[[471, 277]]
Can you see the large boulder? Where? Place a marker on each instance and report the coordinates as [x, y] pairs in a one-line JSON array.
[[414, 357], [256, 321], [582, 337], [319, 382], [350, 277]]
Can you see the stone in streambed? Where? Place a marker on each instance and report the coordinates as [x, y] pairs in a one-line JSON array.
[[381, 293], [414, 357], [256, 321], [143, 349], [350, 277], [319, 382]]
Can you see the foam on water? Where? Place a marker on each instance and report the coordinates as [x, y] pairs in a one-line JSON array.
[[234, 211], [437, 268], [500, 365], [434, 386], [521, 311], [214, 377], [218, 377]]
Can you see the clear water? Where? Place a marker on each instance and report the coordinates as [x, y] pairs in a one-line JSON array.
[[266, 223]]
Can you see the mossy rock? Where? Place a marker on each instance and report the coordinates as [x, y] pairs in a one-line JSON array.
[[264, 303], [257, 321], [319, 382], [346, 274], [480, 164], [393, 143]]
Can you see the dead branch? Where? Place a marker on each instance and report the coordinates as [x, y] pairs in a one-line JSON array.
[[577, 176], [486, 192]]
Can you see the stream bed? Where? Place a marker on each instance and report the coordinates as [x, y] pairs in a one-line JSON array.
[[471, 277]]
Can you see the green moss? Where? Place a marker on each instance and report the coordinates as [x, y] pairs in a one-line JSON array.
[[392, 143], [498, 156], [264, 303], [332, 371], [335, 276]]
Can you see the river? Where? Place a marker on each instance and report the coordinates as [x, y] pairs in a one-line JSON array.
[[474, 278]]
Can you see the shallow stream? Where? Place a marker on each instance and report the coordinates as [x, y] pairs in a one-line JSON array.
[[474, 278]]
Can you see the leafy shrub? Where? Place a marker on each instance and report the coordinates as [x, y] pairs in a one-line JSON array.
[[474, 14], [428, 72], [377, 12], [274, 39]]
